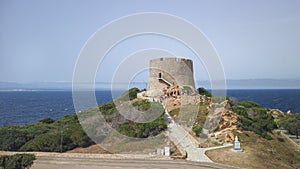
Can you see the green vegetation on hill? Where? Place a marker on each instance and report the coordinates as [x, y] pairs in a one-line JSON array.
[[17, 161], [143, 130], [255, 118], [108, 108], [133, 129], [142, 104], [42, 136], [130, 94], [291, 123], [66, 133], [203, 91]]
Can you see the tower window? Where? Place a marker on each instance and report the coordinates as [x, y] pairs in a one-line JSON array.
[[159, 75]]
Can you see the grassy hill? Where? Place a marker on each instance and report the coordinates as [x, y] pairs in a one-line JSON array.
[[45, 135], [257, 129], [66, 133]]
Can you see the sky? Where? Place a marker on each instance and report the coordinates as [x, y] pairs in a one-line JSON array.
[[40, 41]]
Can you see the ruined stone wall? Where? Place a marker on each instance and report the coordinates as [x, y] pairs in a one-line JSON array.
[[170, 71]]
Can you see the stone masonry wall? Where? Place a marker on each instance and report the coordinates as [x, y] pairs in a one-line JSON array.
[[174, 71]]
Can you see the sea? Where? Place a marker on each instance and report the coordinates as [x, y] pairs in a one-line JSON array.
[[23, 107]]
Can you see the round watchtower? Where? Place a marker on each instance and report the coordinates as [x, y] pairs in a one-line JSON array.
[[168, 72]]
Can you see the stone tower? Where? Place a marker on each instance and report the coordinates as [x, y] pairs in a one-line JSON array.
[[168, 72]]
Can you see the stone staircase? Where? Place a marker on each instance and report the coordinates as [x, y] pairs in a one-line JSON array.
[[185, 143]]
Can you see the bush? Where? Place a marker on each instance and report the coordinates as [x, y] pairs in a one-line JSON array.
[[291, 123], [67, 135], [260, 122], [143, 130], [142, 105], [203, 91], [17, 161], [108, 108], [197, 129], [131, 94], [47, 120], [240, 110], [49, 142], [12, 138]]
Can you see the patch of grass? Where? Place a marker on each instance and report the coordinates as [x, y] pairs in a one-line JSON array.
[[216, 143]]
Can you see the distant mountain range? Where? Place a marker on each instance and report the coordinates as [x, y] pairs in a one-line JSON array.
[[231, 84]]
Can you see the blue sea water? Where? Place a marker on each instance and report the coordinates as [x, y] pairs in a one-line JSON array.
[[22, 107], [283, 99]]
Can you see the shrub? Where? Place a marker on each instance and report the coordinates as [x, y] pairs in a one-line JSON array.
[[240, 110], [142, 104], [108, 108], [131, 94], [291, 123], [203, 91], [143, 130], [12, 138], [197, 129], [47, 120], [67, 134], [260, 122], [17, 161]]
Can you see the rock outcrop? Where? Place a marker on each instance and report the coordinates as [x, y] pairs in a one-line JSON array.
[[276, 113], [221, 123]]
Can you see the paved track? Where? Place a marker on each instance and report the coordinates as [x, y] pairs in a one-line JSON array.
[[47, 160], [84, 163]]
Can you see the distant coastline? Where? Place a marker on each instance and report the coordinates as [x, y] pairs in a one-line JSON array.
[[25, 106], [231, 84]]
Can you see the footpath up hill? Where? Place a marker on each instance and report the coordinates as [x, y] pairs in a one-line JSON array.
[[258, 128]]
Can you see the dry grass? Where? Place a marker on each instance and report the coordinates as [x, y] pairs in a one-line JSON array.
[[93, 149], [259, 153]]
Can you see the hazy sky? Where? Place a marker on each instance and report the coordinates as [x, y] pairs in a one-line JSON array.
[[41, 40]]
